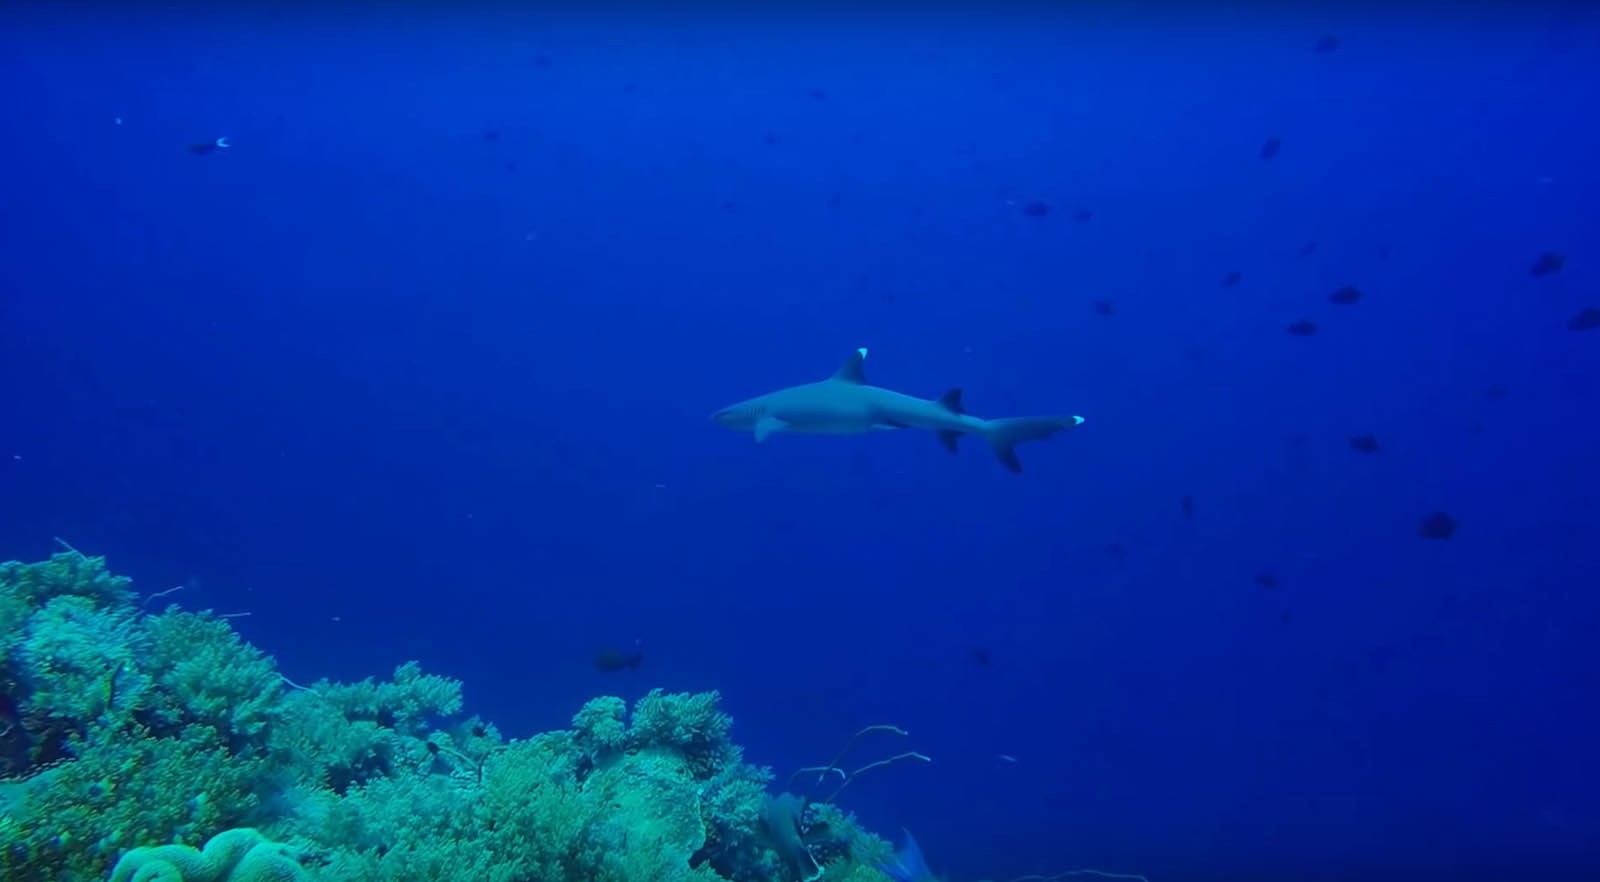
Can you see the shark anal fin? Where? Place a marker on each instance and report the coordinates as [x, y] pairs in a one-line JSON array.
[[851, 371], [767, 425], [951, 401], [1008, 458], [949, 439]]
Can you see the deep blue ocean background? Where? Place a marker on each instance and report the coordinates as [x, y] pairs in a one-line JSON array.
[[421, 367]]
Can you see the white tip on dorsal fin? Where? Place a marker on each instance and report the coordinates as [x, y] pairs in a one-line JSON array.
[[851, 371]]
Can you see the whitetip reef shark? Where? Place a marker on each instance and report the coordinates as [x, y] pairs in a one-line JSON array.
[[844, 404]]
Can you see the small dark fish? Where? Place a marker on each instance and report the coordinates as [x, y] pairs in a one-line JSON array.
[[433, 748], [1302, 328], [1548, 264], [1437, 526], [1267, 579], [1384, 251], [1325, 44], [1496, 392], [1586, 320], [1187, 506], [1345, 296], [630, 88], [491, 135], [1083, 215], [478, 731], [1105, 307], [818, 95], [769, 138], [611, 660], [1283, 618], [1306, 249], [1036, 209], [981, 657], [1231, 279], [1364, 444], [541, 61], [1270, 147]]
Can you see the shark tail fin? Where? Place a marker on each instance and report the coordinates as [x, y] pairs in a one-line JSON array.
[[908, 864], [1005, 434]]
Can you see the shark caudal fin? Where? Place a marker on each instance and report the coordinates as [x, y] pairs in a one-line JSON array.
[[1005, 434]]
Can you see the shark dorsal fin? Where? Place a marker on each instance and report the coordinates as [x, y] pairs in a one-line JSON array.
[[850, 371], [951, 401]]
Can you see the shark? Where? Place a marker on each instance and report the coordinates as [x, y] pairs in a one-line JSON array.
[[846, 404]]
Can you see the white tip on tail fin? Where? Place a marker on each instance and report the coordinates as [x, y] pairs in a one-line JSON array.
[[1004, 434]]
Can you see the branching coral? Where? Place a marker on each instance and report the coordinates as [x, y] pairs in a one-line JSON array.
[[170, 728]]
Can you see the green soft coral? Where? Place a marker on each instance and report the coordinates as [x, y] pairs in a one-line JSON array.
[[170, 728], [600, 726], [125, 788], [692, 724], [66, 574], [207, 674], [237, 855], [340, 735], [76, 661]]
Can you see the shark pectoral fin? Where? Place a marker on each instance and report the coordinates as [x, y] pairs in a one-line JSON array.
[[949, 439], [767, 425]]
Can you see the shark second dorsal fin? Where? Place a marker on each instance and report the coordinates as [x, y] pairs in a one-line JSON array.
[[851, 371]]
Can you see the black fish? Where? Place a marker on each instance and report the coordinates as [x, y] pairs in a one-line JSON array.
[[1306, 249], [981, 657], [1231, 279], [769, 138], [1036, 209], [1345, 296], [1302, 328], [1267, 579], [1104, 307], [202, 148], [610, 660], [1083, 215], [1437, 526], [491, 135], [818, 95], [1587, 320], [1548, 264], [1187, 506], [1364, 443], [1325, 44], [1496, 392], [1271, 147]]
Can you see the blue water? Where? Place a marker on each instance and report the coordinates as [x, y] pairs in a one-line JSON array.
[[421, 367]]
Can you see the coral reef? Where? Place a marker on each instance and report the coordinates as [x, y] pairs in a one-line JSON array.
[[129, 739]]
